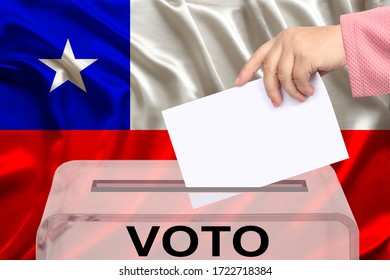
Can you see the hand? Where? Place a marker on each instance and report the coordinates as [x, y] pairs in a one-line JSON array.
[[292, 56]]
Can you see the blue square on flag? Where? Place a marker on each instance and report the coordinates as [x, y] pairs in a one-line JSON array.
[[65, 64]]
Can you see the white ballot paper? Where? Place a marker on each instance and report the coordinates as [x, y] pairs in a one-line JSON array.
[[236, 138]]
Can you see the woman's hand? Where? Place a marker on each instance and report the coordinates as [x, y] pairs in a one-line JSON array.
[[292, 56]]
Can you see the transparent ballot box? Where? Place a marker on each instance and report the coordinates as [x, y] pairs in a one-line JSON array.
[[143, 210]]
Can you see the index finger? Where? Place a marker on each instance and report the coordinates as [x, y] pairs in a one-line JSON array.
[[254, 63]]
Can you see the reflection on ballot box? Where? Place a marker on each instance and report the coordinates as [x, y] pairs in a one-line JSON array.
[[142, 210]]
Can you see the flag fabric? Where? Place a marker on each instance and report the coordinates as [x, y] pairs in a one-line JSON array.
[[46, 105], [35, 33], [67, 93]]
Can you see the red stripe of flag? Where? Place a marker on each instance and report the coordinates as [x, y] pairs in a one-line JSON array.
[[28, 160]]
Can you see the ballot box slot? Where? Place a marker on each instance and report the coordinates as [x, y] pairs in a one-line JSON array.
[[179, 186]]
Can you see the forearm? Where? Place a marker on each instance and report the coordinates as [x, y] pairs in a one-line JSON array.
[[366, 38]]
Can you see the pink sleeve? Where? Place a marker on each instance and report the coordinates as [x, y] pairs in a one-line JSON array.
[[366, 37]]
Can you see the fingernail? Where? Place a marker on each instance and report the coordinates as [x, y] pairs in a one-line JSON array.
[[276, 105], [237, 81]]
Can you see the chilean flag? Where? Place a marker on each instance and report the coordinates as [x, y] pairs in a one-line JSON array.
[[65, 95]]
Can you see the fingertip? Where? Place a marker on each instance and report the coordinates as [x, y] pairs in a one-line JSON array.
[[312, 90], [275, 103], [300, 97], [237, 82], [309, 90], [303, 99], [276, 99], [242, 79], [304, 87]]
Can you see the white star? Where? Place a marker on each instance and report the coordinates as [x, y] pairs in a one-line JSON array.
[[68, 68]]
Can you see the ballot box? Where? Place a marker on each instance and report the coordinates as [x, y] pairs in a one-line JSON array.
[[143, 210]]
